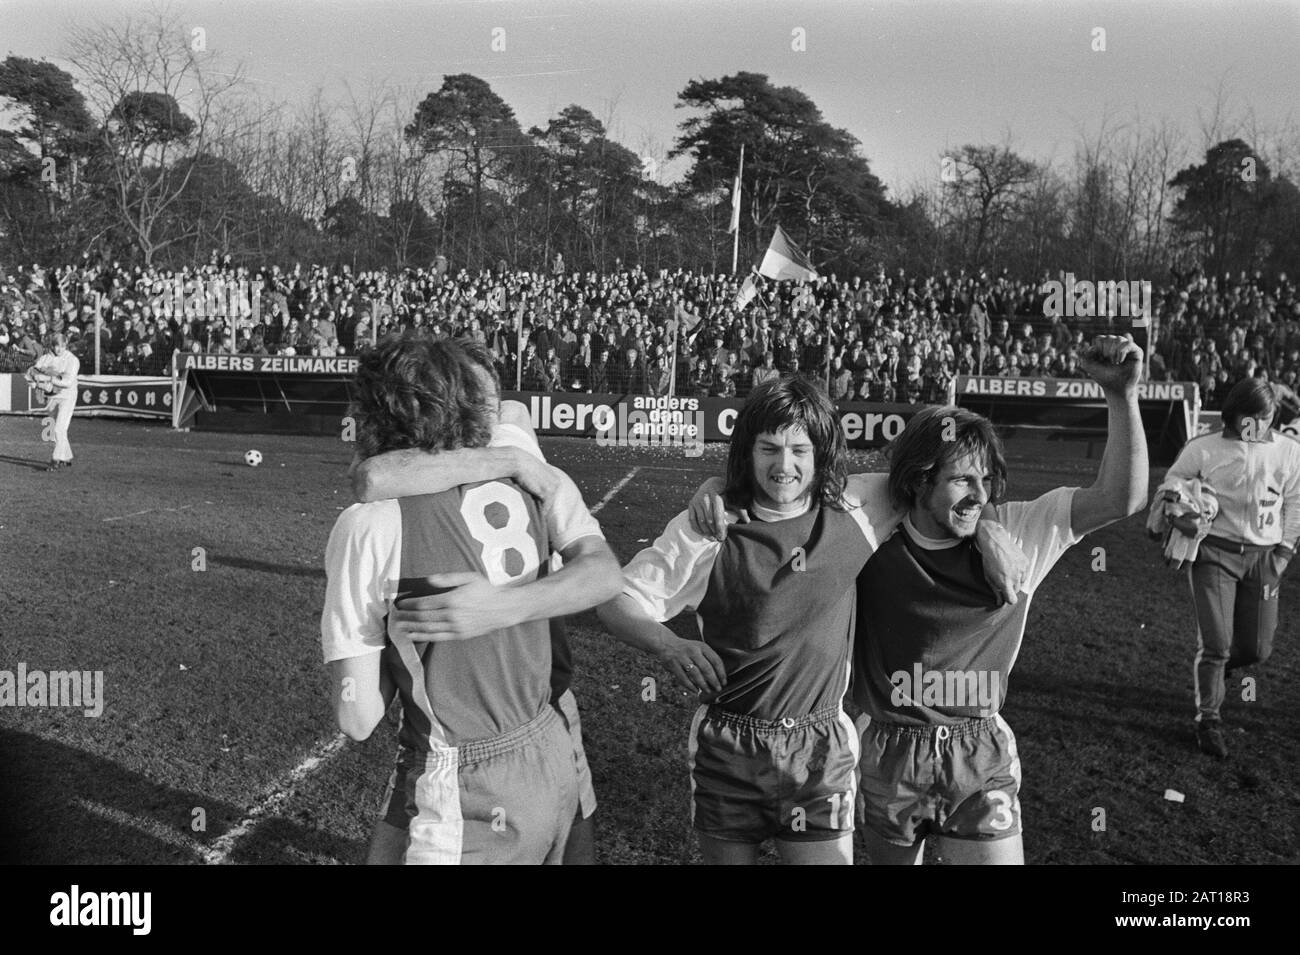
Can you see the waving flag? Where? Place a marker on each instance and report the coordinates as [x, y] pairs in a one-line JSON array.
[[686, 323], [747, 292], [783, 260]]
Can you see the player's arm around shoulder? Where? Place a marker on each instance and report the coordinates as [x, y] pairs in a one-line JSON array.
[[469, 605], [868, 497], [590, 576], [658, 583], [412, 471], [708, 512], [878, 515], [1120, 490]]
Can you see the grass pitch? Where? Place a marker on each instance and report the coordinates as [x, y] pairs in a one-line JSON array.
[[216, 742]]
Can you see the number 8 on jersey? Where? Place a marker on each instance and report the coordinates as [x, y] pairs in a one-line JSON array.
[[496, 517]]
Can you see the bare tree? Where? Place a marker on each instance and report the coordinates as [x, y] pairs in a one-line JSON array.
[[989, 182], [155, 96]]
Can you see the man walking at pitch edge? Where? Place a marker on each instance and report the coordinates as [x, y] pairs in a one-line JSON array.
[[1255, 474], [55, 373], [934, 648]]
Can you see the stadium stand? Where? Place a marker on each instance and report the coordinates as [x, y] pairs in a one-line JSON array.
[[886, 337]]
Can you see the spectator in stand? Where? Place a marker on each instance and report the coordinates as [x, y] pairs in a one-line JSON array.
[[741, 367], [534, 370], [841, 380], [702, 378], [660, 373], [629, 377], [554, 372], [766, 371], [724, 386], [799, 372], [1202, 324], [892, 369], [598, 382]]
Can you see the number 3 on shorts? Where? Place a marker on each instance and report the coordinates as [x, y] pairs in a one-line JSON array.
[[1002, 817], [498, 541]]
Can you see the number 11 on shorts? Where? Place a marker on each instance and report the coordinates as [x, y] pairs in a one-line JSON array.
[[841, 806]]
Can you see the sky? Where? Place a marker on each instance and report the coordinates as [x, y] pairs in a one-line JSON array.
[[909, 78]]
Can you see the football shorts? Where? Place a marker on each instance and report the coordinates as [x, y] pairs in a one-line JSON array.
[[509, 799], [567, 705], [792, 779], [960, 781]]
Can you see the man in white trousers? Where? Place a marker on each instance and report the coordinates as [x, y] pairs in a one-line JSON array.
[[55, 373]]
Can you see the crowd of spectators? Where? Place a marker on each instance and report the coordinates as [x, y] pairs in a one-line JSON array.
[[878, 337]]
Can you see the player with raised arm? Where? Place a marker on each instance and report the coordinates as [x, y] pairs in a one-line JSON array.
[[486, 771], [934, 648], [513, 452], [773, 754]]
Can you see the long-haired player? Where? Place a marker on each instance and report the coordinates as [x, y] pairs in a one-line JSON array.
[[773, 754]]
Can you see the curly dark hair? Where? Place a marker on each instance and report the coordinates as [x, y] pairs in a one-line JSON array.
[[787, 402], [932, 438], [478, 353], [418, 393]]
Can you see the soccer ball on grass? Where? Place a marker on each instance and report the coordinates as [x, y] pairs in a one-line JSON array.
[[252, 458]]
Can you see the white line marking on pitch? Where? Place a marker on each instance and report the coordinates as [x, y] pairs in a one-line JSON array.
[[154, 510], [219, 852], [609, 496], [150, 827], [279, 793]]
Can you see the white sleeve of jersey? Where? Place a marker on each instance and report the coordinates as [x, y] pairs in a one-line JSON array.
[[876, 516], [568, 519], [1041, 528], [1188, 463], [672, 574], [510, 434], [362, 566]]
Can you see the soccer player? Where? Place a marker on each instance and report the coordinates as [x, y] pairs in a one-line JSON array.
[[773, 754], [486, 769], [513, 452], [1255, 473], [934, 649], [55, 372]]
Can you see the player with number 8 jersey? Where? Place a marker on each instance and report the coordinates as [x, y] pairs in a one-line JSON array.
[[485, 769]]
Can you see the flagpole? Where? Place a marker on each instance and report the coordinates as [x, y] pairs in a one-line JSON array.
[[735, 251], [519, 346], [735, 202], [672, 361]]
